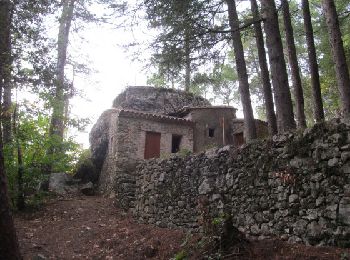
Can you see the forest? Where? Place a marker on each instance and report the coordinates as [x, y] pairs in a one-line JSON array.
[[281, 61]]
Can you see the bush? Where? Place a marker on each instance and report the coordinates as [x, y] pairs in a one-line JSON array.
[[85, 169]]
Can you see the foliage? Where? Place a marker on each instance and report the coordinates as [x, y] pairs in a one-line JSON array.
[[84, 168], [180, 255], [32, 135]]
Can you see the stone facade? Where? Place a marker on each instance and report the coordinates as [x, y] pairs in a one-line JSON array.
[[148, 123], [212, 126], [296, 187], [238, 133], [126, 146]]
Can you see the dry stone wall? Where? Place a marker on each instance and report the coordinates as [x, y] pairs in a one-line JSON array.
[[296, 187]]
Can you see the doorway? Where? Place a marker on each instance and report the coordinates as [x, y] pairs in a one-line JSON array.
[[152, 145]]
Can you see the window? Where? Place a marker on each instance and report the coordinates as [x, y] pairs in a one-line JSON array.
[[211, 132], [175, 143]]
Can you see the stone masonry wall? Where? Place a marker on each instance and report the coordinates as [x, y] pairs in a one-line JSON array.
[[296, 187], [126, 149]]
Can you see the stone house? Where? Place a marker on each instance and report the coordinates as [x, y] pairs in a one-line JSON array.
[[127, 134]]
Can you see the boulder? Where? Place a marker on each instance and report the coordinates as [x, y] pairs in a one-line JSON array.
[[88, 189], [157, 100], [61, 183]]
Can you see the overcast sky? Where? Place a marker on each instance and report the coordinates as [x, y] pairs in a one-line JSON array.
[[102, 50]]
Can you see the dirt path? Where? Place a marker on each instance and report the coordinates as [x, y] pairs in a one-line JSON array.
[[92, 228]]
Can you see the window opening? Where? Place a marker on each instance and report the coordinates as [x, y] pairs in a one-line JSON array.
[[211, 132], [175, 143]]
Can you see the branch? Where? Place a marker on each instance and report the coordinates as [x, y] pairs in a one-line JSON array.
[[242, 27]]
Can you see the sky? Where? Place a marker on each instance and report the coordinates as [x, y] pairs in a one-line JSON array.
[[114, 69]]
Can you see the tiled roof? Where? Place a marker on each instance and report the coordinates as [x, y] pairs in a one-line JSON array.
[[185, 110], [153, 116], [241, 120]]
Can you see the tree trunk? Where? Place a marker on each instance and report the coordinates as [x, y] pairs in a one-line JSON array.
[[188, 62], [20, 171], [294, 66], [9, 248], [57, 125], [249, 122], [341, 67], [6, 60], [313, 65], [267, 91], [283, 101]]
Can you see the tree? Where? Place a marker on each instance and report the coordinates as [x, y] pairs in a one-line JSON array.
[[313, 65], [339, 58], [9, 248], [270, 112], [285, 116], [184, 42], [249, 122], [294, 67], [57, 120], [6, 13]]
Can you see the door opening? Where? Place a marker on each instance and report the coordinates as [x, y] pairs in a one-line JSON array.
[[175, 143], [152, 145]]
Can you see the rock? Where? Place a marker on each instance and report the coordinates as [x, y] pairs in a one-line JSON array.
[[58, 183], [317, 177], [294, 239], [161, 177], [293, 198], [344, 210], [299, 227], [333, 162], [345, 156], [39, 257], [88, 189], [314, 229], [181, 204], [296, 162], [254, 229], [204, 188], [319, 201], [346, 168], [157, 100], [311, 214]]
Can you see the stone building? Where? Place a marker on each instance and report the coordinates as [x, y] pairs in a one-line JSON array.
[[168, 122]]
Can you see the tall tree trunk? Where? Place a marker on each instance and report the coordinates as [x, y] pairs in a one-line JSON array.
[[6, 60], [57, 125], [294, 66], [341, 67], [9, 248], [188, 62], [20, 171], [267, 91], [249, 122], [283, 101], [313, 65]]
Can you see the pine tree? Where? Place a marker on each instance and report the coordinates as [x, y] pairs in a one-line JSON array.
[[336, 42], [283, 101], [294, 66], [249, 123], [267, 91], [313, 65]]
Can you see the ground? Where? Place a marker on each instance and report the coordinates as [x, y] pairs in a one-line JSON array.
[[93, 228]]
